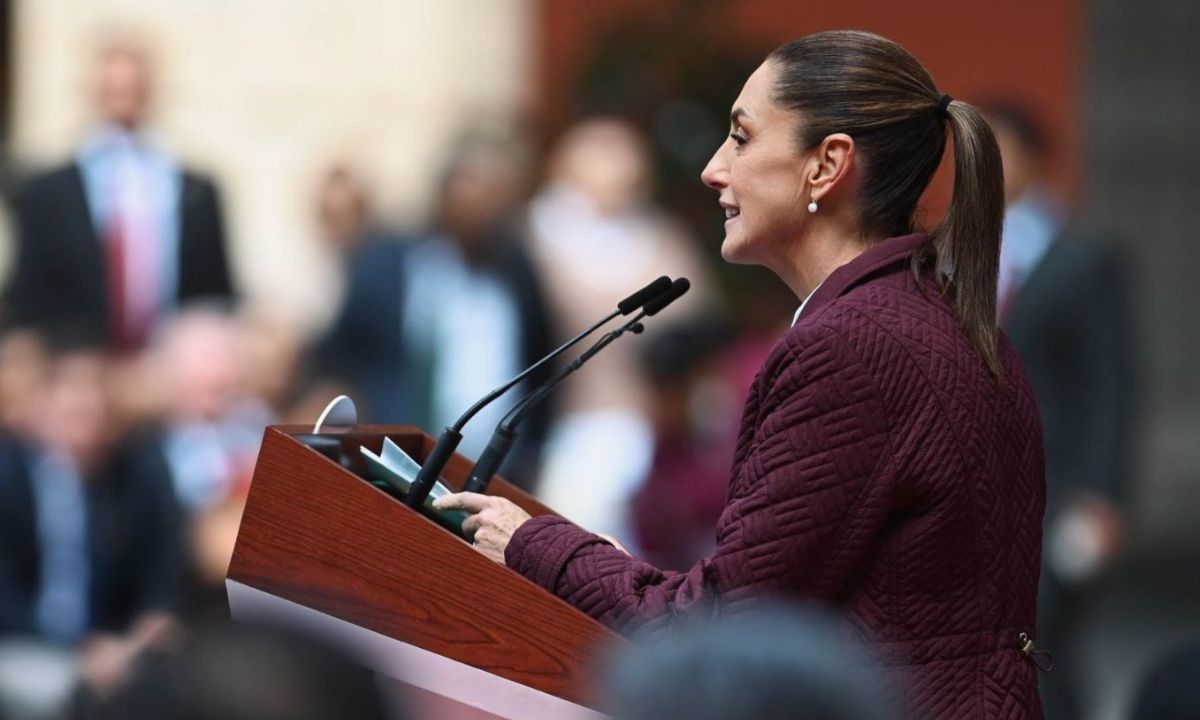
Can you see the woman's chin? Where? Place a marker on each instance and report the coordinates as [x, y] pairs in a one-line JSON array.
[[734, 251]]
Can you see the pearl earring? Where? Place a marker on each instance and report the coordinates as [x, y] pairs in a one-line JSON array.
[[812, 206]]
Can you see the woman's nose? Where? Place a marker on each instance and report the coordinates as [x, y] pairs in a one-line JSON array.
[[715, 174]]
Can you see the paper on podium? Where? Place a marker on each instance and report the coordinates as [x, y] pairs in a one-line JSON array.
[[394, 469]]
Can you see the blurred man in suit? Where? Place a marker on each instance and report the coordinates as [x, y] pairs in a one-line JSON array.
[[89, 545], [1064, 303], [122, 234], [433, 322]]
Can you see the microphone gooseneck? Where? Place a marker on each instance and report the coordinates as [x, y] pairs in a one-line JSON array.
[[505, 433], [451, 436]]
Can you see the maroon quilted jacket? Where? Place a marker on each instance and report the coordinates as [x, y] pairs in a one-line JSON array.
[[880, 469]]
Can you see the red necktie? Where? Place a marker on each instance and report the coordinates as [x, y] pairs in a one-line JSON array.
[[118, 312]]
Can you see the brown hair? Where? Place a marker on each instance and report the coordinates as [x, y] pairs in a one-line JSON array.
[[875, 91]]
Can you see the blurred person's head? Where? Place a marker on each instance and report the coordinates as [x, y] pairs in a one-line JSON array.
[[1171, 688], [271, 349], [834, 139], [22, 369], [1022, 144], [607, 160], [73, 409], [343, 204], [198, 359], [677, 362], [482, 183], [122, 82], [769, 663], [245, 672]]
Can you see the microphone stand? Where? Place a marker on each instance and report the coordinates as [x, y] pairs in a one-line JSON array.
[[505, 433], [451, 435]]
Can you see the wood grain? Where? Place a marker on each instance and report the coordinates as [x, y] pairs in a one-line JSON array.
[[315, 533]]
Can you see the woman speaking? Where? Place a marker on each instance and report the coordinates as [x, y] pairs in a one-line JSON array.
[[889, 461]]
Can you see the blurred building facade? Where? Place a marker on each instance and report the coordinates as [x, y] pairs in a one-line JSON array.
[[264, 93]]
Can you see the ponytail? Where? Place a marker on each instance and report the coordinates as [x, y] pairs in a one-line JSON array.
[[968, 238], [846, 81]]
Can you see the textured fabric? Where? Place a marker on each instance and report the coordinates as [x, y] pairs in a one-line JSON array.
[[881, 469]]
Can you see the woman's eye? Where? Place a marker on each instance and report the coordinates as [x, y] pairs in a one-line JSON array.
[[739, 139]]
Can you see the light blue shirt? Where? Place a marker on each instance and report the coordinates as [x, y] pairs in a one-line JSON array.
[[1030, 226], [469, 322], [100, 162], [60, 507]]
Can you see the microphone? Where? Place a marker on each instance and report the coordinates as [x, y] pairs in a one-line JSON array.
[[451, 436], [505, 433]]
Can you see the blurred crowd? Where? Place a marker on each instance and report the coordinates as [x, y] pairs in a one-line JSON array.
[[136, 381]]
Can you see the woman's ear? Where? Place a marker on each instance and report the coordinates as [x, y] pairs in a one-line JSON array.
[[833, 161]]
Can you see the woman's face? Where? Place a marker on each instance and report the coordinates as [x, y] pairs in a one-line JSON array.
[[760, 175]]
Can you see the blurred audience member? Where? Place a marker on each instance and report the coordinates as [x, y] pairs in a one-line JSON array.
[[699, 373], [431, 325], [769, 664], [1171, 689], [243, 672], [1064, 302], [695, 406], [343, 210], [6, 219], [117, 238], [22, 364], [270, 354], [597, 236], [212, 425], [89, 554]]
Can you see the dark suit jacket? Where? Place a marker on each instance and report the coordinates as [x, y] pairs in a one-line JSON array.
[[60, 273], [133, 533], [880, 468], [365, 346], [1072, 326]]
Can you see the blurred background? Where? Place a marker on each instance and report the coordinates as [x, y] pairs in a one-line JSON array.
[[219, 215]]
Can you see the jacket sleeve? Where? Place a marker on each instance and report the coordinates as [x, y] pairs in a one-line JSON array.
[[812, 494], [374, 293], [30, 279], [223, 275], [1100, 429], [161, 553], [17, 592]]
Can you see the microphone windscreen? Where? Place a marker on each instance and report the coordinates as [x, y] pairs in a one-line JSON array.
[[646, 294], [678, 288]]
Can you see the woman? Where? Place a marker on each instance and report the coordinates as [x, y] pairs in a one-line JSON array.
[[890, 457]]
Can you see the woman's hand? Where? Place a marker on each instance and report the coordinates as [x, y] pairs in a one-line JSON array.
[[493, 520]]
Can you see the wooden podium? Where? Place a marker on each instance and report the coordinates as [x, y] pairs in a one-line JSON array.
[[462, 636]]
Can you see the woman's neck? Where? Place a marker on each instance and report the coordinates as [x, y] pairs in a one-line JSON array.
[[808, 262]]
